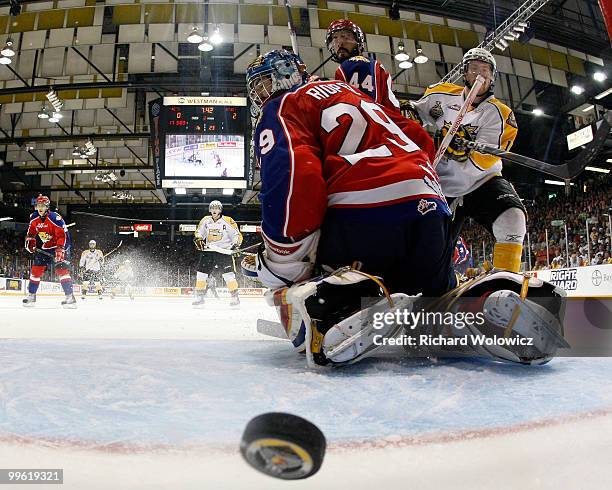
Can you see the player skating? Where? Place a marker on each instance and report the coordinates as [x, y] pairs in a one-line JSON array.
[[370, 199], [49, 240], [124, 277], [346, 43], [472, 177], [92, 261], [220, 232]]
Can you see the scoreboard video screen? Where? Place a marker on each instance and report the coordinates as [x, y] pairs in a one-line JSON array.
[[199, 141]]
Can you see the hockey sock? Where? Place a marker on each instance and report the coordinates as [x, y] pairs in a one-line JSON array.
[[201, 284], [507, 256], [230, 280], [85, 288], [35, 276], [65, 280]]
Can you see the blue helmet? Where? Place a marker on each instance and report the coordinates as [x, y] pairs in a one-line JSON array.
[[272, 72]]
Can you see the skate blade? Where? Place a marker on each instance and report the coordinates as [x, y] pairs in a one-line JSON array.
[[72, 306], [26, 305]]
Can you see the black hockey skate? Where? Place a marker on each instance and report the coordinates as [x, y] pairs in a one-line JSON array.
[[70, 302], [29, 301]]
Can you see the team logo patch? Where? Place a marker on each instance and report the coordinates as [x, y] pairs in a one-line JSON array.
[[360, 58], [454, 107], [425, 206], [511, 120], [436, 111]]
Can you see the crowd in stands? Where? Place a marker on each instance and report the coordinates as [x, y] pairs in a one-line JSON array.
[[545, 215], [157, 261]]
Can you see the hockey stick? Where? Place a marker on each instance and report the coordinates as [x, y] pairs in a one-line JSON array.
[[291, 26], [450, 134], [567, 170], [114, 249], [271, 329], [229, 251]]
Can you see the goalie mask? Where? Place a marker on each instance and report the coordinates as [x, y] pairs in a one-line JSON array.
[[273, 72]]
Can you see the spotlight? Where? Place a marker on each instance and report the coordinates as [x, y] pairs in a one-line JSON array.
[[501, 44], [55, 100], [511, 36], [76, 151], [5, 60], [577, 89], [404, 65], [598, 76], [420, 57], [205, 45], [401, 54], [537, 112], [228, 192], [8, 49], [216, 37], [54, 119], [194, 37]]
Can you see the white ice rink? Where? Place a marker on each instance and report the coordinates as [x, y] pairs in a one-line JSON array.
[[152, 394]]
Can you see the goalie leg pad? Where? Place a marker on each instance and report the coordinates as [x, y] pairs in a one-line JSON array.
[[513, 307], [317, 305], [358, 336]]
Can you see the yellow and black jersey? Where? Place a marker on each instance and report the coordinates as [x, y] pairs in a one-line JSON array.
[[222, 233], [490, 122]]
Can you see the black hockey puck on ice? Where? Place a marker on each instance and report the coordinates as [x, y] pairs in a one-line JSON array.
[[283, 446]]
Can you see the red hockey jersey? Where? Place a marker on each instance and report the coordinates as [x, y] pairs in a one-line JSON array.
[[50, 230], [325, 144]]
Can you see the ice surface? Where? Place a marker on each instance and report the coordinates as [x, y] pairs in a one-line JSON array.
[[160, 384]]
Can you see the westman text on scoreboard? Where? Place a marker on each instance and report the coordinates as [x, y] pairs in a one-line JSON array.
[[199, 141]]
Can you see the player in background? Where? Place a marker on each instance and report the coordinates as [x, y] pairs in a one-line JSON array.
[[462, 257], [49, 240], [470, 178], [124, 276], [346, 43], [91, 262], [221, 232]]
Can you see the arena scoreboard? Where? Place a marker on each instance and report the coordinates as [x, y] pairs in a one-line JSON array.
[[199, 142]]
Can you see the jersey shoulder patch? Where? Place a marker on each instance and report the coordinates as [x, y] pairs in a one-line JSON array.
[[505, 111], [360, 58]]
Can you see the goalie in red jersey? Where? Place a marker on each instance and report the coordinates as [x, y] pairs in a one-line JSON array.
[[49, 240]]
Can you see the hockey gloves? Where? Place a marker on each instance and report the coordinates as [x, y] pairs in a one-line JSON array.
[[30, 244]]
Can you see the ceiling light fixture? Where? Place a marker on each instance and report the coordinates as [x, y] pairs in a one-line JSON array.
[[216, 38], [420, 58], [401, 54], [194, 37], [8, 49], [205, 45]]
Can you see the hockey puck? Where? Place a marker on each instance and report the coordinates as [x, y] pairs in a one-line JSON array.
[[283, 445]]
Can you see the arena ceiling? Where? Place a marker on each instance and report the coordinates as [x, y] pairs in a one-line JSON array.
[[107, 59]]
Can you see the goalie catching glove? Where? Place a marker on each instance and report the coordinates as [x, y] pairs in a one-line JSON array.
[[458, 149]]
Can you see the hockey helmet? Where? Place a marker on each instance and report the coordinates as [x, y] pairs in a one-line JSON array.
[[92, 244], [480, 54], [283, 70], [43, 200], [215, 205], [340, 25]]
